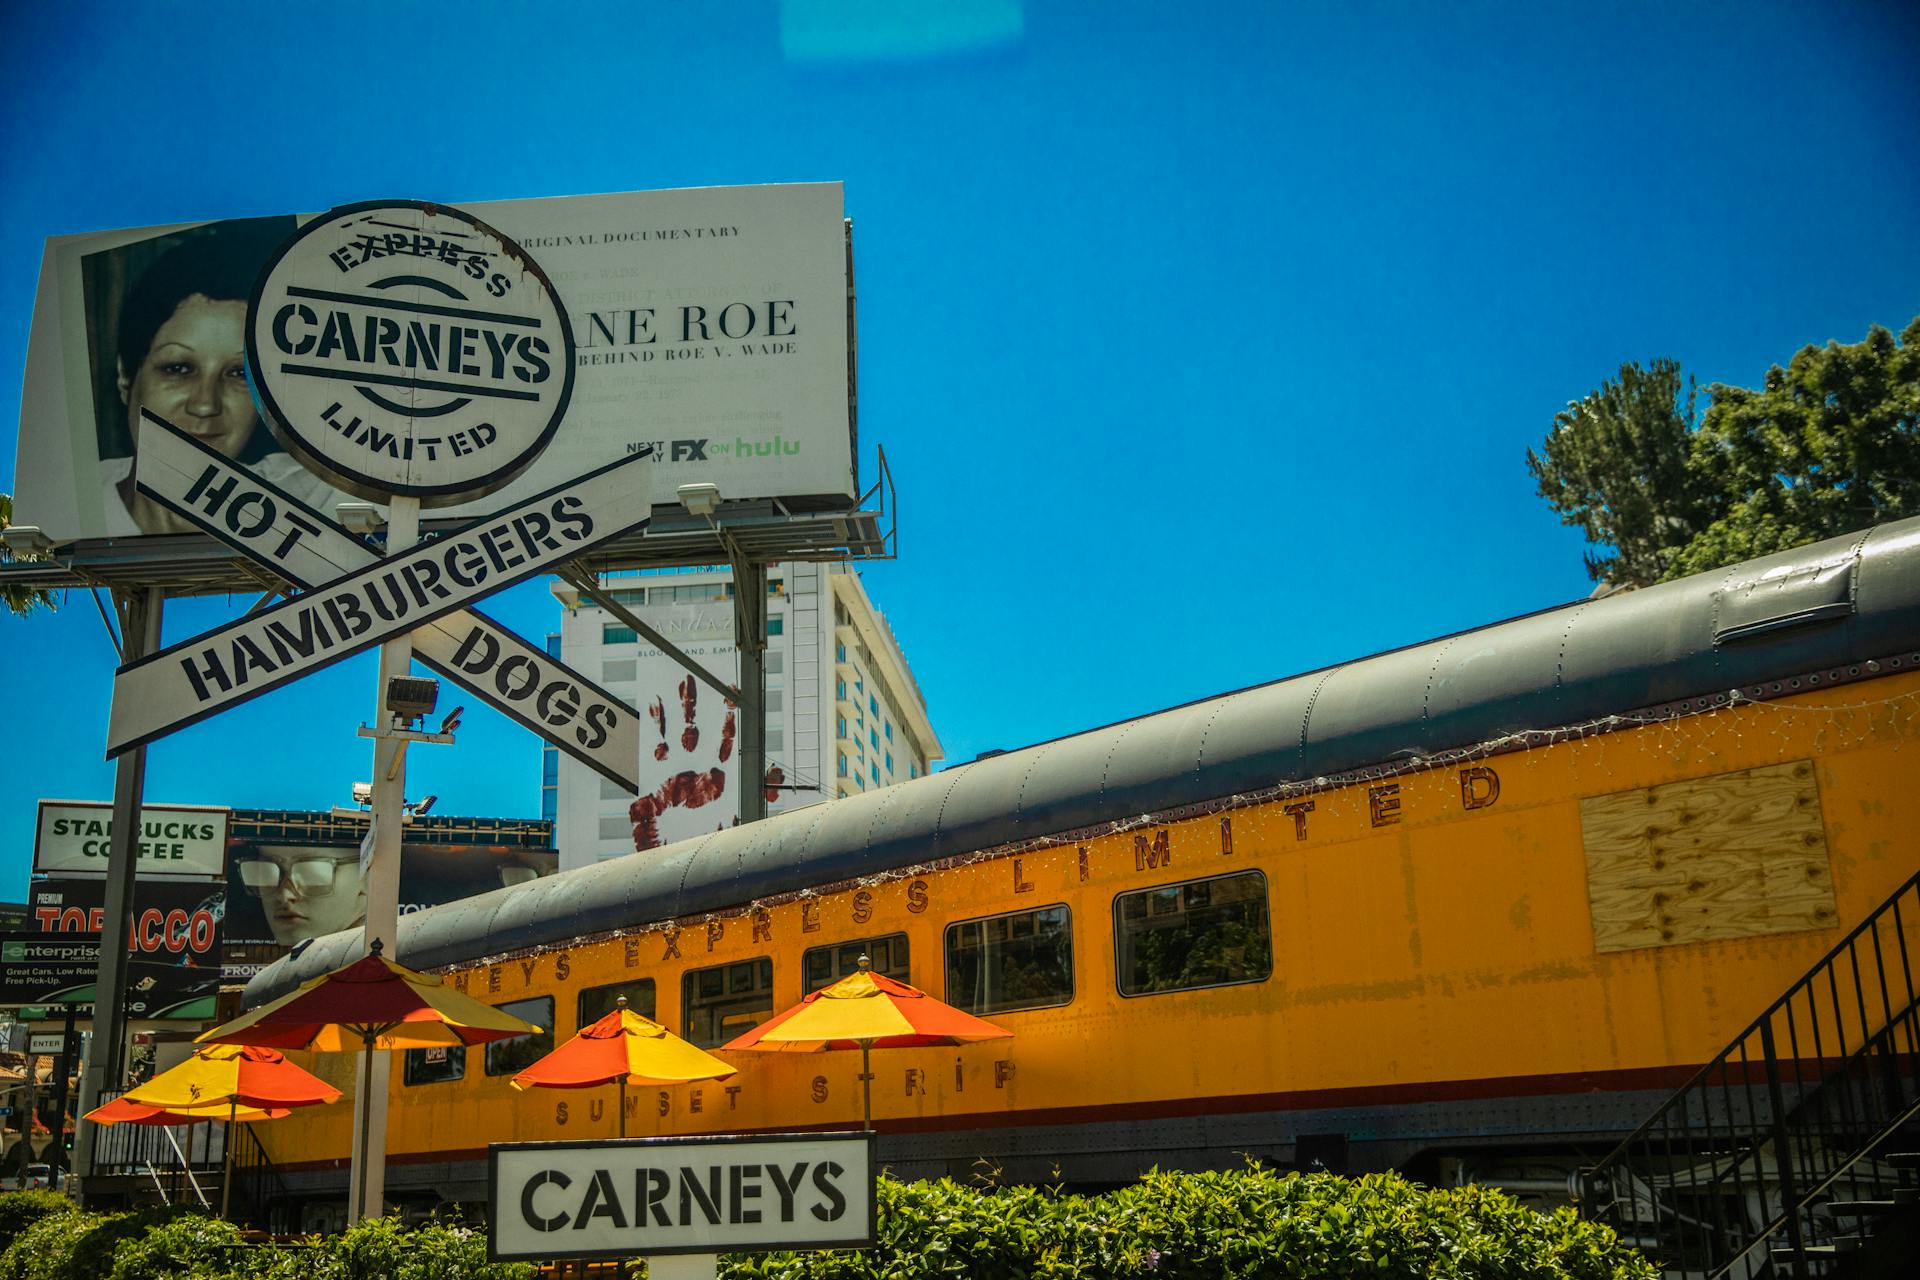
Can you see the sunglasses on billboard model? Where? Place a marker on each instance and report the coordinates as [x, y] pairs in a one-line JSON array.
[[311, 876]]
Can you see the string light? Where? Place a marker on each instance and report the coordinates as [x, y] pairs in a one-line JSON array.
[[1334, 792]]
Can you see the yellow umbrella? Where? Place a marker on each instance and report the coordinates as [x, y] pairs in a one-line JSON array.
[[224, 1077], [867, 1011], [622, 1046]]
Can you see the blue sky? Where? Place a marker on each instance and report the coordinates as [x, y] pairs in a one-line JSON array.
[[1205, 341]]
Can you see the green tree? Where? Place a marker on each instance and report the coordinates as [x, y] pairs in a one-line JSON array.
[[1830, 444], [1615, 464], [1827, 446], [17, 599]]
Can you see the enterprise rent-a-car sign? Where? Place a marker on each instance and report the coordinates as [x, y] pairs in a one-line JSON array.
[[657, 1196]]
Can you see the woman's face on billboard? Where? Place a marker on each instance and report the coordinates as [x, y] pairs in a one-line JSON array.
[[305, 893], [194, 375]]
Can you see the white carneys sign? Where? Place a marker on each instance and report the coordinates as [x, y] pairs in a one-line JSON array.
[[404, 348], [664, 1196], [270, 526], [199, 677], [72, 838]]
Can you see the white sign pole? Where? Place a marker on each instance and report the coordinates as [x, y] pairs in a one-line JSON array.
[[383, 887]]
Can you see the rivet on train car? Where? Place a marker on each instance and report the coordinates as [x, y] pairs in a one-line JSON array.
[[819, 1089], [716, 929], [1383, 804], [1020, 882], [862, 906], [1298, 811], [672, 938], [1479, 787], [810, 916]]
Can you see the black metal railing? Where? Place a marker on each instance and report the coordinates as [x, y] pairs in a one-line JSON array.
[[259, 1199], [1789, 1116], [175, 1165]]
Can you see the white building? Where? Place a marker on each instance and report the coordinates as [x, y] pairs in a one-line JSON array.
[[843, 712]]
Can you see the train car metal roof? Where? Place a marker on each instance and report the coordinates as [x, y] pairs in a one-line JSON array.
[[1822, 606]]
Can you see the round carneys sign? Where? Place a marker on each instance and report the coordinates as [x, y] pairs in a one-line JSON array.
[[399, 347]]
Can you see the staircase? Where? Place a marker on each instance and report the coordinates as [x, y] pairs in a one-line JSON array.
[[1787, 1155]]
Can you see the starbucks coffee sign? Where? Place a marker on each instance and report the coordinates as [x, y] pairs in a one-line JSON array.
[[405, 348]]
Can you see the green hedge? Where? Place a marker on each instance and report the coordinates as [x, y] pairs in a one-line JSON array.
[[1252, 1223]]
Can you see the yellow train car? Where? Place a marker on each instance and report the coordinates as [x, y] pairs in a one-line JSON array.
[[1485, 900]]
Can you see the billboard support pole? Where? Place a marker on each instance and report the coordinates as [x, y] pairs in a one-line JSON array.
[[750, 642], [368, 1197], [140, 610]]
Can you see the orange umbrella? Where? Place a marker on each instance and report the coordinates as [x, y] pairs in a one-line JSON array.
[[370, 1004], [870, 1011], [120, 1111], [626, 1047]]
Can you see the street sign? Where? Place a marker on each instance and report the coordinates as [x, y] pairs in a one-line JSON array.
[[404, 348], [46, 1042], [197, 678], [73, 838], [661, 1196], [269, 525]]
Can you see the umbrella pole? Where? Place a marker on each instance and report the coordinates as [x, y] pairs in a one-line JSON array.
[[226, 1171], [623, 1106], [366, 1127], [866, 1086]]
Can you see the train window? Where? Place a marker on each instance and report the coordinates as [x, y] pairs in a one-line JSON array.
[[823, 965], [1018, 961], [718, 1004], [511, 1057], [435, 1065], [597, 1002], [1202, 933]]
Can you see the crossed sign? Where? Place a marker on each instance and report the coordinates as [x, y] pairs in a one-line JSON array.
[[353, 598]]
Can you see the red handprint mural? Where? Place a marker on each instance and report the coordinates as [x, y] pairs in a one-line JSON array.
[[690, 788]]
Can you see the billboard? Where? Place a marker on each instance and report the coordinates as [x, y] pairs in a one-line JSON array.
[[689, 770], [710, 323], [282, 894], [61, 967], [73, 838]]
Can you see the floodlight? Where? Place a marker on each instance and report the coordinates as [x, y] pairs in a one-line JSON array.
[[358, 517], [27, 541], [700, 499], [410, 697], [363, 793]]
